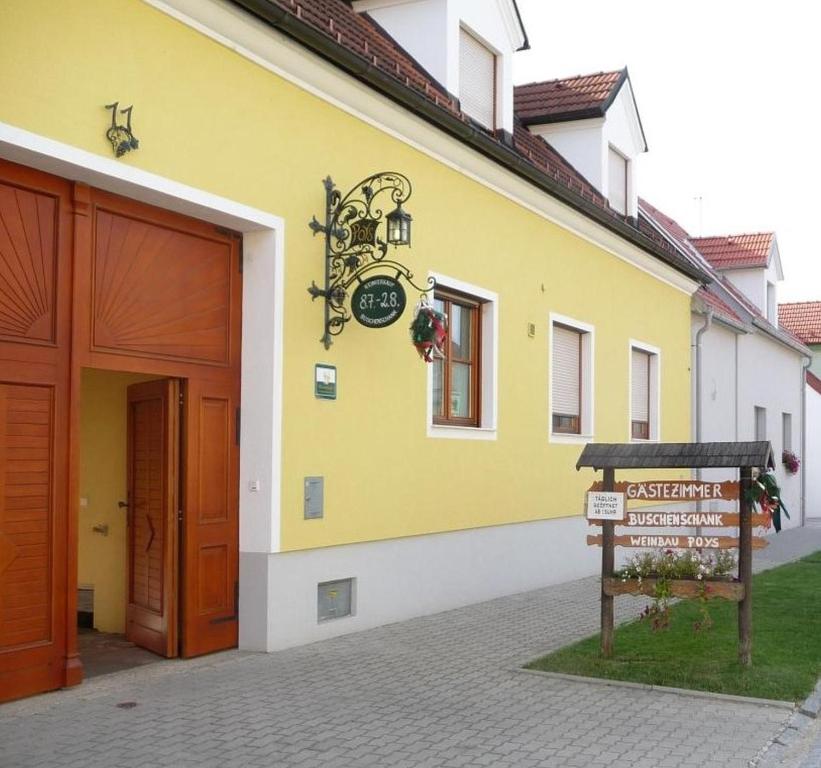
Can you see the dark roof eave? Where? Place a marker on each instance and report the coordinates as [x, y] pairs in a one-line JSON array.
[[563, 117], [288, 24]]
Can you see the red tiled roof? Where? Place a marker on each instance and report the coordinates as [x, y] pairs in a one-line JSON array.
[[803, 319], [814, 381], [579, 96], [718, 305], [736, 251]]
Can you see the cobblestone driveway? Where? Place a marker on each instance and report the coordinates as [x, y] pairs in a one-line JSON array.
[[436, 691]]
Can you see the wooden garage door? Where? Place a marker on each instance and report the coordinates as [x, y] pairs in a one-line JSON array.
[[35, 252]]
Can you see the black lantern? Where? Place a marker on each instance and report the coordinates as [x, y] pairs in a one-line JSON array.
[[399, 226]]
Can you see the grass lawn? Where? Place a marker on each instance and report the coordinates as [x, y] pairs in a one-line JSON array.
[[786, 643]]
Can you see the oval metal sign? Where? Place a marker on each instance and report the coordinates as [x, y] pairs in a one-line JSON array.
[[378, 302]]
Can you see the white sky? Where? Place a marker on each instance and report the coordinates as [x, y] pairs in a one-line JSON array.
[[728, 92]]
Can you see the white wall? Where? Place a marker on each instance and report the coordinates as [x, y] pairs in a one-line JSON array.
[[811, 461], [400, 578], [769, 375]]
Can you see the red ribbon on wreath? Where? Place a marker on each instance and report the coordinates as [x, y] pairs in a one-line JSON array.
[[428, 331]]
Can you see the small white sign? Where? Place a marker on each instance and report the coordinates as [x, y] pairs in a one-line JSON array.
[[605, 505]]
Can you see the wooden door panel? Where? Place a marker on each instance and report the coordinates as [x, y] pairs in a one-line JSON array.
[[35, 268], [159, 291], [153, 445], [28, 262], [210, 519]]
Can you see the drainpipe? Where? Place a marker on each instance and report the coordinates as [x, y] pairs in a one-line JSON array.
[[708, 322], [806, 364]]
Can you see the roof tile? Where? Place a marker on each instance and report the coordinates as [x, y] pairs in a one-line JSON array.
[[803, 319], [736, 251], [566, 97]]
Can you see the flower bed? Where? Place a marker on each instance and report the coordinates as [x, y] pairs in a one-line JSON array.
[[686, 588]]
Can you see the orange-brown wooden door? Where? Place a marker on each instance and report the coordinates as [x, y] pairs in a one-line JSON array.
[[153, 502], [35, 267], [211, 518]]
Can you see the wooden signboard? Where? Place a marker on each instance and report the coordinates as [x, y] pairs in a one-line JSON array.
[[675, 490], [685, 520], [678, 542], [742, 456]]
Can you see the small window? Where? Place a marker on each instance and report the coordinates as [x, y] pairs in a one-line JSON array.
[[786, 429], [618, 181], [772, 304], [477, 79], [567, 380], [640, 395], [760, 423], [456, 377]]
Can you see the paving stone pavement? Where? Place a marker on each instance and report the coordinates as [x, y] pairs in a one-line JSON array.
[[440, 691]]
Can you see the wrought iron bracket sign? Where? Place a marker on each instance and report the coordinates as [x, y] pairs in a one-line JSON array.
[[121, 136], [356, 253]]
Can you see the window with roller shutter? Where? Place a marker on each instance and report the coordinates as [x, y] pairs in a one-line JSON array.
[[477, 79], [617, 180], [567, 380], [640, 395]]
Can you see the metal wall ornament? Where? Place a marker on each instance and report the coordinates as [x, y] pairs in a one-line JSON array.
[[354, 248], [121, 137]]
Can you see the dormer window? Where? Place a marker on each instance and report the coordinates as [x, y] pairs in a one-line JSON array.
[[617, 180], [477, 79]]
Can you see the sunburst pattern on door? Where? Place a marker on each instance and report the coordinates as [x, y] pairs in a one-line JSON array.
[[159, 291], [27, 262]]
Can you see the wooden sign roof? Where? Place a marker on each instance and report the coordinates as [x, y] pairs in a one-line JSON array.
[[676, 455]]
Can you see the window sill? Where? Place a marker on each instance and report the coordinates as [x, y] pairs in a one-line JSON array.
[[461, 433], [639, 440], [564, 437]]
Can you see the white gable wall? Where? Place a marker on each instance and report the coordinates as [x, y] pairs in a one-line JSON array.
[[429, 31], [585, 144], [581, 143], [752, 283]]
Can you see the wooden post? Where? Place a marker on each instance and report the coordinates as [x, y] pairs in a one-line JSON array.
[[607, 562], [745, 571]]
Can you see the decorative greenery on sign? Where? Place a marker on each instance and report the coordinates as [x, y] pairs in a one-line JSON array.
[[428, 331], [765, 494]]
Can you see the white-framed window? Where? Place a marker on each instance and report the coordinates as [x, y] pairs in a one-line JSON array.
[[760, 415], [786, 431], [477, 79], [618, 175], [645, 402], [462, 387], [772, 304], [570, 388]]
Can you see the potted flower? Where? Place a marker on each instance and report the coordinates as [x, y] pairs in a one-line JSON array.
[[790, 461]]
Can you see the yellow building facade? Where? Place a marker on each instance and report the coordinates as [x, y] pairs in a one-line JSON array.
[[239, 125]]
